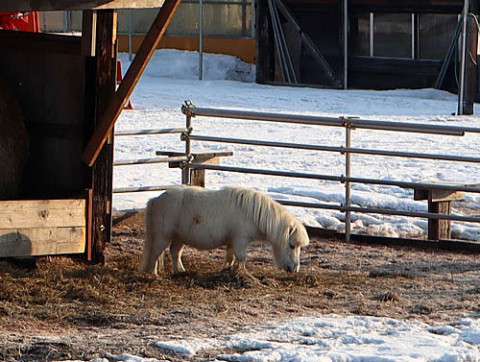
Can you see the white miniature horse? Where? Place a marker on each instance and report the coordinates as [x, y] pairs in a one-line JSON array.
[[207, 220]]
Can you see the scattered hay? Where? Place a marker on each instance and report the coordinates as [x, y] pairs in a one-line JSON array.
[[388, 297], [65, 296], [303, 279], [407, 274], [422, 309]]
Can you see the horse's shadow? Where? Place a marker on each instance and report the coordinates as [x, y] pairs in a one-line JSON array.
[[236, 278]]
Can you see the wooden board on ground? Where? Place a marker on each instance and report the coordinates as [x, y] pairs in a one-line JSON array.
[[42, 227]]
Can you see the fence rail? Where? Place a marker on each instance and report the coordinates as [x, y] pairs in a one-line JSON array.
[[353, 122], [144, 132], [341, 179]]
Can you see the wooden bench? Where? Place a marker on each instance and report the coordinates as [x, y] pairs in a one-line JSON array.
[[197, 177], [439, 202]]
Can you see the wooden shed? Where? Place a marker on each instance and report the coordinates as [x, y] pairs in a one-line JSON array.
[[66, 87], [375, 44]]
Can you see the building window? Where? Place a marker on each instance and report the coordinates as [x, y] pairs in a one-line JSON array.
[[435, 34], [423, 36], [392, 35], [360, 35]]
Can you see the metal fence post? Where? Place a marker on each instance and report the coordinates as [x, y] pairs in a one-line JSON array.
[[130, 34], [348, 191], [200, 40], [186, 109]]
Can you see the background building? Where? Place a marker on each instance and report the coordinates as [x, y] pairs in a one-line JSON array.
[[227, 27]]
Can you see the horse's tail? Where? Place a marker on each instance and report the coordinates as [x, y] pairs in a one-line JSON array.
[[149, 240]]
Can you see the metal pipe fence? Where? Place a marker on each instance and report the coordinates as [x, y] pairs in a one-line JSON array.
[[187, 162], [349, 124]]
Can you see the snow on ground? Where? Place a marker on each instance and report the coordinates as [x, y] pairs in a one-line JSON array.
[[334, 338], [172, 77]]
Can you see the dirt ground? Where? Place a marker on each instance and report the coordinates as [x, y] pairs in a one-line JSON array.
[[65, 309]]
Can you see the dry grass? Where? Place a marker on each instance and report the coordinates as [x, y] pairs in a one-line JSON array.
[[112, 308]]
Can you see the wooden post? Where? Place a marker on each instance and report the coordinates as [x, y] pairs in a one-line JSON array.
[[439, 202], [439, 229], [265, 69], [197, 177], [100, 31]]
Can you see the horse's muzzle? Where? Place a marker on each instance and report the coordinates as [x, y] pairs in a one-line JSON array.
[[292, 268]]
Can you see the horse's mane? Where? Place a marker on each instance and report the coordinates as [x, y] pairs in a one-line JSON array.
[[272, 219]]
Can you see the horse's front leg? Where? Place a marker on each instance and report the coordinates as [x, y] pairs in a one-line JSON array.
[[176, 249], [230, 258], [238, 250]]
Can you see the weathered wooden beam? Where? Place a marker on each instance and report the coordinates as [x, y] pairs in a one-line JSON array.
[[103, 33], [130, 80], [42, 213], [42, 241], [42, 227], [48, 5]]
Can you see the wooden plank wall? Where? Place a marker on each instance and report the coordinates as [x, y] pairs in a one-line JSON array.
[[42, 227], [47, 74]]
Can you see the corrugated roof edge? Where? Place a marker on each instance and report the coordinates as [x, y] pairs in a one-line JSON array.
[[57, 5]]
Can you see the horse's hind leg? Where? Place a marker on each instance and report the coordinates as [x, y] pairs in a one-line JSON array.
[[176, 249], [156, 238], [153, 256]]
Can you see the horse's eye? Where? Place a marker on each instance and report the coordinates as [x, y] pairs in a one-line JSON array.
[[291, 246]]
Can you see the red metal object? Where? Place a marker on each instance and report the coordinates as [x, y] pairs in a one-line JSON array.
[[28, 21]]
